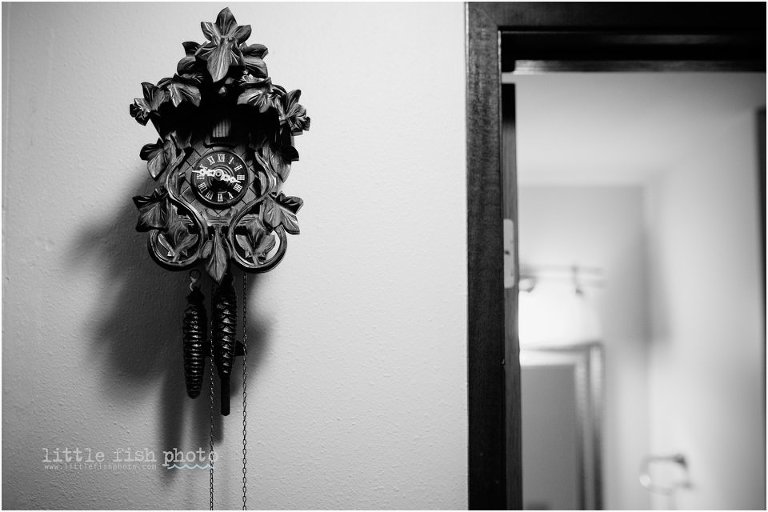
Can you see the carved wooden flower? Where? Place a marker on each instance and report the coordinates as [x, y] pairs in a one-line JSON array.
[[222, 49], [143, 108]]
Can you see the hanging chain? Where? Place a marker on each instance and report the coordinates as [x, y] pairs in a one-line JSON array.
[[245, 394], [211, 455]]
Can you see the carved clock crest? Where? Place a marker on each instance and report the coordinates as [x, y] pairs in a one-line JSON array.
[[225, 148]]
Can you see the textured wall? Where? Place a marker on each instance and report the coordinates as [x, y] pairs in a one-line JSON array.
[[358, 390]]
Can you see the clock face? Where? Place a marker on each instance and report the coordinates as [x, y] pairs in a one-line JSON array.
[[220, 178]]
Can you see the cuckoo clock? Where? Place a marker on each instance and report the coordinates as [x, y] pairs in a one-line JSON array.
[[224, 151]]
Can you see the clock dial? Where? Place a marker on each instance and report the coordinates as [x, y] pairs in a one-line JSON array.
[[219, 178]]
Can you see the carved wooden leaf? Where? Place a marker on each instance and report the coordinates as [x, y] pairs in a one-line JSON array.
[[186, 65], [254, 229], [215, 250], [207, 248], [257, 253], [241, 33], [226, 27], [266, 244], [225, 21], [153, 210], [294, 114], [163, 82], [177, 235], [219, 60], [256, 93], [257, 139], [190, 47], [154, 96], [181, 91], [253, 59], [149, 150], [279, 164], [208, 30], [143, 109], [256, 67], [182, 137], [282, 211], [257, 51], [158, 156], [222, 49], [257, 242], [163, 242], [280, 159], [156, 159], [139, 110], [169, 152]]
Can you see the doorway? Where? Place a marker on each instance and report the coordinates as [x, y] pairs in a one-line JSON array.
[[553, 37], [639, 231]]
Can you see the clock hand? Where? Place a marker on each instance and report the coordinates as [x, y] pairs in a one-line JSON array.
[[204, 171]]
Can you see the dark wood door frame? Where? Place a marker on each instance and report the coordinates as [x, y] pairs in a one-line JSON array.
[[554, 37]]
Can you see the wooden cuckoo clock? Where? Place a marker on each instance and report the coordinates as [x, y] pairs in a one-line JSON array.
[[224, 151]]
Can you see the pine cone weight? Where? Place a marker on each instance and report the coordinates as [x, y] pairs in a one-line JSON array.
[[224, 328], [195, 342]]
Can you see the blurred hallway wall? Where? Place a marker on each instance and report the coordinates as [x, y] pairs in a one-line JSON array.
[[706, 371]]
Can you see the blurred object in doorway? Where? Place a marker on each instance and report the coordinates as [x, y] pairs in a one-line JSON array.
[[558, 305]]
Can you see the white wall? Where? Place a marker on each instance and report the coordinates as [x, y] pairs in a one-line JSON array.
[[603, 227], [357, 390], [708, 347]]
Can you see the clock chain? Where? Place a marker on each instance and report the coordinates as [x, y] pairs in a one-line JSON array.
[[211, 455], [245, 394]]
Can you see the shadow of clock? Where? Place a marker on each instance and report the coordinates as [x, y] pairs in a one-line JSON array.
[[137, 333]]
